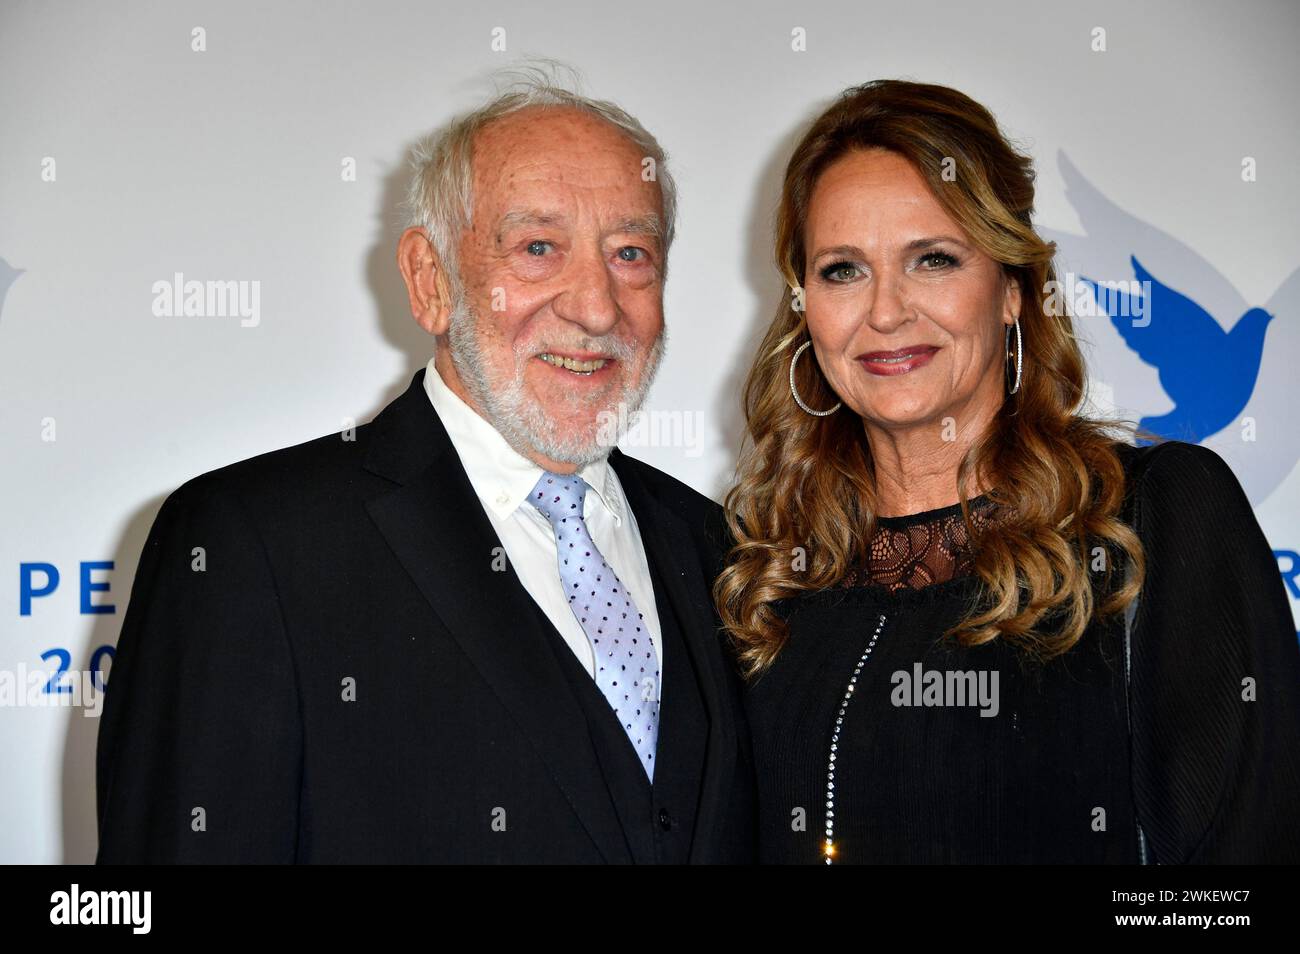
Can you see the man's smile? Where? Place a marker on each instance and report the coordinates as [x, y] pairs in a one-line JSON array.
[[586, 367]]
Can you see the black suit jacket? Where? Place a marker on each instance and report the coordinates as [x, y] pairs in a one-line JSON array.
[[319, 663]]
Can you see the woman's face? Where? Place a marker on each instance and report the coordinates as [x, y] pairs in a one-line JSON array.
[[907, 317]]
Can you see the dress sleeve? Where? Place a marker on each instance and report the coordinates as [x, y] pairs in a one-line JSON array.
[[1215, 693]]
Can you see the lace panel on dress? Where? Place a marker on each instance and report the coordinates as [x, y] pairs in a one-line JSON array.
[[921, 550]]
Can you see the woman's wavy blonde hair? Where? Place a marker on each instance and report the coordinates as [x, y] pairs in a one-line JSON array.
[[806, 481]]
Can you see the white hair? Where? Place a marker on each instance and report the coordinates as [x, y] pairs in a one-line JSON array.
[[440, 198]]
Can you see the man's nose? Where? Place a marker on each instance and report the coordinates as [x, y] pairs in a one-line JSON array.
[[588, 299]]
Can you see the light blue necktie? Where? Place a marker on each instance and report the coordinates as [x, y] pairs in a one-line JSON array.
[[627, 670]]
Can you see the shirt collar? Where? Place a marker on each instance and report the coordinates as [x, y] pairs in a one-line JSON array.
[[501, 476]]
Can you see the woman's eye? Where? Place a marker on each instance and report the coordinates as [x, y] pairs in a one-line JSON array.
[[534, 245], [839, 272], [636, 253], [943, 259]]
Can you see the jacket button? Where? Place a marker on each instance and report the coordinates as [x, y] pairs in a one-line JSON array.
[[665, 820]]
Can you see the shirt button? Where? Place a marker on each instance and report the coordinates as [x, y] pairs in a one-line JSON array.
[[665, 820], [502, 500]]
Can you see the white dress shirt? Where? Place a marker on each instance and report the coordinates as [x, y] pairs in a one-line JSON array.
[[503, 478]]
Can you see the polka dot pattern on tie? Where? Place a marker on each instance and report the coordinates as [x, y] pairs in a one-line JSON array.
[[627, 671]]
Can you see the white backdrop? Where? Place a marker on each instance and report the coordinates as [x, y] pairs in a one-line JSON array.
[[127, 156]]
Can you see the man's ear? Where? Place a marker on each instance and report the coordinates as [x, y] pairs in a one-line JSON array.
[[426, 281]]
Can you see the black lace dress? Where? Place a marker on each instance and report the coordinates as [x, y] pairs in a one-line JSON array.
[[909, 749]]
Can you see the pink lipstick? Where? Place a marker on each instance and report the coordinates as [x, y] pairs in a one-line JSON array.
[[902, 361]]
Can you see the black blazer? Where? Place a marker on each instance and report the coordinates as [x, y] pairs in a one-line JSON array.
[[319, 663]]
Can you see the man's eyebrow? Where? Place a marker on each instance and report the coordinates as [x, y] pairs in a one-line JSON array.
[[911, 246], [642, 225], [517, 217], [648, 224]]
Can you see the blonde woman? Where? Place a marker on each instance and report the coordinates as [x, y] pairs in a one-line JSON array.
[[935, 554]]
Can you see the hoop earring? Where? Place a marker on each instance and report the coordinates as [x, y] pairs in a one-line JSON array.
[[795, 393], [1020, 354]]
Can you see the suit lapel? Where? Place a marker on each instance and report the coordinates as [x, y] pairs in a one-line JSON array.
[[437, 528], [669, 545]]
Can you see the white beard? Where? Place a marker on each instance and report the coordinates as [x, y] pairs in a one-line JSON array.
[[518, 418]]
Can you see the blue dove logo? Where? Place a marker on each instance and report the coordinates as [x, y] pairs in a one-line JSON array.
[[1189, 368], [1192, 351], [8, 274]]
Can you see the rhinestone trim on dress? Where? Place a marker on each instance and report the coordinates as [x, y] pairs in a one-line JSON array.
[[828, 850]]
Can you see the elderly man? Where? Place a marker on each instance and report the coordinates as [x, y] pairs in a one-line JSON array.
[[474, 633]]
